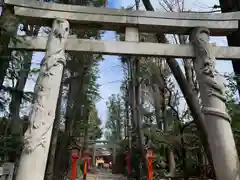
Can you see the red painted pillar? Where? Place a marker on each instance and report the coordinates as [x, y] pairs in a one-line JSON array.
[[85, 162], [74, 168], [150, 170], [75, 154], [85, 167]]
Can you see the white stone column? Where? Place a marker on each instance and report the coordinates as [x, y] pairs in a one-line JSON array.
[[217, 120], [38, 135]]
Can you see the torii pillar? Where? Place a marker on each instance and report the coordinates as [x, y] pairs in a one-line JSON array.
[[217, 121]]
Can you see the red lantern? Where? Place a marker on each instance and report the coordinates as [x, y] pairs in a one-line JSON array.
[[75, 155], [150, 158], [128, 160]]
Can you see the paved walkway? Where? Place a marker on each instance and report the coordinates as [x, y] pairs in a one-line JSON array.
[[105, 175]]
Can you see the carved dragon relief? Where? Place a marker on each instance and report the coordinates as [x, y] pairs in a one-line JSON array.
[[40, 122], [205, 68]]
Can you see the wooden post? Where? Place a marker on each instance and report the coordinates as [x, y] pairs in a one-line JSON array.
[[217, 120], [74, 169], [150, 170], [75, 155], [37, 137], [85, 161]]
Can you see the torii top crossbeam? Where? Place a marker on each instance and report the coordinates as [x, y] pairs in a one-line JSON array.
[[34, 12], [115, 19]]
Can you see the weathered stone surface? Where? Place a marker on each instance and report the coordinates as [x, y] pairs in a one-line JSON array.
[[126, 48], [105, 175], [38, 135], [121, 12], [217, 120], [109, 19], [118, 22]]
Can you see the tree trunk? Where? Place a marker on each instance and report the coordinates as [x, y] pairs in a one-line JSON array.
[[118, 123], [14, 108], [217, 120], [171, 162], [75, 89], [8, 27], [86, 126], [61, 161], [132, 35], [37, 137], [143, 161], [127, 121], [17, 96], [188, 67], [18, 92], [169, 151], [157, 99], [54, 138]]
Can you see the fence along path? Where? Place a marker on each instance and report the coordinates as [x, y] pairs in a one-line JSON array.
[[114, 19]]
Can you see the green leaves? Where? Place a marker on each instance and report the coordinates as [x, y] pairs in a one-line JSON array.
[[115, 120], [98, 3]]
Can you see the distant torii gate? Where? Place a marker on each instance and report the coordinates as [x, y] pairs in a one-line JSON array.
[[95, 144], [106, 144], [214, 125]]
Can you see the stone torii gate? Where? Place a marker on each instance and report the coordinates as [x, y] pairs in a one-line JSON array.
[[216, 122], [106, 144], [96, 144]]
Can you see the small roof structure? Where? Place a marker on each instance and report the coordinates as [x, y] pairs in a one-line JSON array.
[[102, 152], [74, 145]]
